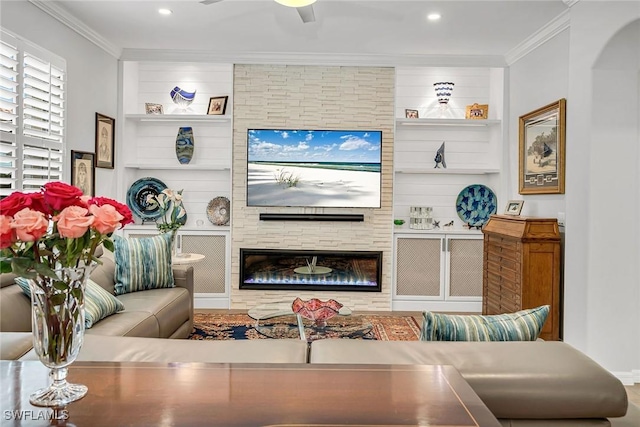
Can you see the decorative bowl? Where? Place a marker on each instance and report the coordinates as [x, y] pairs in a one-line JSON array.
[[181, 97], [316, 310]]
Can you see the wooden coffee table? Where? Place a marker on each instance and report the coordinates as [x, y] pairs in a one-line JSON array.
[[198, 394]]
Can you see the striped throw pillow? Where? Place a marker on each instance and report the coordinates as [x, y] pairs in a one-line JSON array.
[[143, 263], [98, 303], [522, 325]]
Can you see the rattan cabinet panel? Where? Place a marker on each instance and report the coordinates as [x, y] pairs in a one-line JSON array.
[[521, 268], [418, 267]]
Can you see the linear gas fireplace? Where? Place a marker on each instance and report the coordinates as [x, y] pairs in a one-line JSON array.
[[269, 269]]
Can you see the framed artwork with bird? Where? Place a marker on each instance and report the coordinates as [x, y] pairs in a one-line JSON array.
[[542, 150]]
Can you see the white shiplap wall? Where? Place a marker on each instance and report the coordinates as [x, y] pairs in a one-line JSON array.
[[149, 146], [470, 150]]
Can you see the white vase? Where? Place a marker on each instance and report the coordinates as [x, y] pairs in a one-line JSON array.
[[58, 331]]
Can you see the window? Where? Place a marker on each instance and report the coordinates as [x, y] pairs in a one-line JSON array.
[[32, 106]]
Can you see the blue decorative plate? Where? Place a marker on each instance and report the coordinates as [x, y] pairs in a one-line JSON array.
[[475, 203], [137, 198]]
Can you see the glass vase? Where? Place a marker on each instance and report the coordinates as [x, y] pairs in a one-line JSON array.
[[58, 331]]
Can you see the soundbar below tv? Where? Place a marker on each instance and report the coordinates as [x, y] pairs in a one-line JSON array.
[[314, 168]]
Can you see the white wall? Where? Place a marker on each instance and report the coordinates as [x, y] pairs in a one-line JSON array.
[[92, 78], [546, 70], [594, 65], [601, 264]]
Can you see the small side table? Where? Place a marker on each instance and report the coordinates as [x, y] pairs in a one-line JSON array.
[[187, 258]]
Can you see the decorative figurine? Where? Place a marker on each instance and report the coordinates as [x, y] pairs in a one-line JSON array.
[[448, 225], [436, 224], [439, 159]]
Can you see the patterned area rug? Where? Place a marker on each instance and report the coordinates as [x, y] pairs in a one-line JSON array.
[[209, 326]]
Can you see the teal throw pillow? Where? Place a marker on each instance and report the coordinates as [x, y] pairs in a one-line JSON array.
[[98, 303], [522, 325], [142, 263]]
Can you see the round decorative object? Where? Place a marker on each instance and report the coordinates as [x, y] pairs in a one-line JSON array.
[[315, 309], [219, 211], [137, 198], [475, 203], [181, 97]]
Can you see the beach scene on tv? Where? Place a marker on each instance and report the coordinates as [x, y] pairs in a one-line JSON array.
[[321, 168]]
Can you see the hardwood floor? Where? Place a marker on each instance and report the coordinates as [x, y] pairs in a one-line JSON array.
[[632, 391]]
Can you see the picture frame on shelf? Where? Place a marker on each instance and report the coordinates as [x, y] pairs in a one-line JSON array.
[[217, 105], [514, 207], [151, 108], [477, 112], [83, 172], [411, 114], [542, 150], [105, 141]]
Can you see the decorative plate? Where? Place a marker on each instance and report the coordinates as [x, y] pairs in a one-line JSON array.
[[219, 211], [475, 203], [137, 198]]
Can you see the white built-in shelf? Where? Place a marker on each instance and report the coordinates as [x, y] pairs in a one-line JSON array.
[[151, 226], [447, 171], [178, 118], [177, 167], [447, 122], [406, 230]]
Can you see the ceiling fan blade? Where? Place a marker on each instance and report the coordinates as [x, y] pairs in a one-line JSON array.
[[210, 1], [306, 13]]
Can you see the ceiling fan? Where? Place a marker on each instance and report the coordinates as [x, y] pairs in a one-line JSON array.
[[304, 7]]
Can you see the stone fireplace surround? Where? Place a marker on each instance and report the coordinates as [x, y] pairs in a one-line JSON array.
[[312, 97]]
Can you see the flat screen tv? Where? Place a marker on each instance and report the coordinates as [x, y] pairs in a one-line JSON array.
[[314, 168]]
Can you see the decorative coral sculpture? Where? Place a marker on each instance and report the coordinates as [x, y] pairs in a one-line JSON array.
[[316, 310]]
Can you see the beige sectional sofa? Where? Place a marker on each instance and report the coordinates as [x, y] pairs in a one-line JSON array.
[[154, 313], [525, 384]]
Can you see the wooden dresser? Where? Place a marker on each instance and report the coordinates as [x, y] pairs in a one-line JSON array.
[[521, 268]]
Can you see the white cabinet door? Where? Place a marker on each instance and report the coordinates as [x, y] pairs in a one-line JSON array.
[[464, 268], [440, 272]]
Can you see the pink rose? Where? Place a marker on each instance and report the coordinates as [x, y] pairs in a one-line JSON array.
[[7, 233], [106, 219], [73, 222], [122, 209], [59, 195], [30, 225], [14, 203]]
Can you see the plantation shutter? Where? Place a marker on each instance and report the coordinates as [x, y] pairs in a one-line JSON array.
[[33, 95], [8, 116]]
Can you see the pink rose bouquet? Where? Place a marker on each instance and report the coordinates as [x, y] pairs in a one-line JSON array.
[[54, 228]]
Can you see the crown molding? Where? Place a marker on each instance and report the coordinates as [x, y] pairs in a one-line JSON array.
[[294, 58], [76, 25], [540, 37]]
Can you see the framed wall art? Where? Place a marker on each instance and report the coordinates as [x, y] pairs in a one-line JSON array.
[[477, 111], [217, 105], [150, 108], [514, 207], [411, 114], [542, 150], [83, 172], [105, 141]]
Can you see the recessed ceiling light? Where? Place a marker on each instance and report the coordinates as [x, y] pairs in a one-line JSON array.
[[433, 16], [165, 11]]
